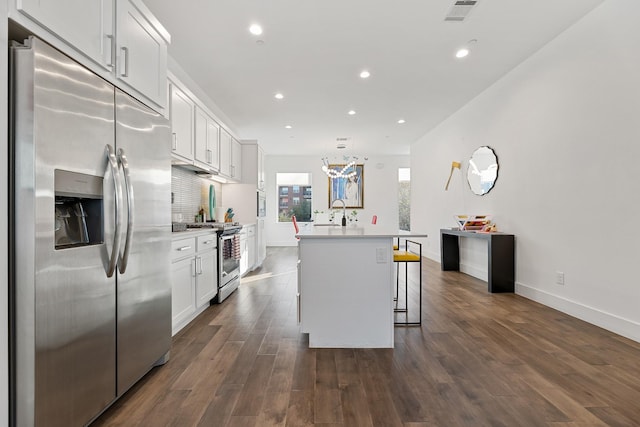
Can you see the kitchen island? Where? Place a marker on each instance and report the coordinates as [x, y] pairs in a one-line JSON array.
[[346, 280]]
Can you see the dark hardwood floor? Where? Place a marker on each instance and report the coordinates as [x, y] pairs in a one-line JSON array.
[[478, 359]]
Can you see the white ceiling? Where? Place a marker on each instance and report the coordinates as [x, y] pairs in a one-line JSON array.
[[314, 50]]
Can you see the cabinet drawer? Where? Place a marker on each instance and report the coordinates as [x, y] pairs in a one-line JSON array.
[[207, 242], [182, 248], [251, 231]]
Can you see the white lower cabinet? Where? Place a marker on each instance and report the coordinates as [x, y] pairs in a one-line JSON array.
[[244, 258], [247, 249], [251, 247], [194, 277], [182, 292]]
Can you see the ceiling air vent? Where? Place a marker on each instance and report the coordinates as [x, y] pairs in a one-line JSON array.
[[460, 10]]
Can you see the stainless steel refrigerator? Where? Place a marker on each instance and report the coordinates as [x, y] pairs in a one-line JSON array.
[[90, 278]]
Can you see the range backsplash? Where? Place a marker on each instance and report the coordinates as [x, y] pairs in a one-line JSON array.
[[189, 192]]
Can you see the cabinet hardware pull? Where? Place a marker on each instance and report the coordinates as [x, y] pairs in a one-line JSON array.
[[109, 62], [125, 61], [183, 248]]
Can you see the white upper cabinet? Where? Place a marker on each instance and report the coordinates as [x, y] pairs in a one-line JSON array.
[[261, 173], [182, 112], [85, 24], [225, 152], [141, 50], [253, 164], [122, 37], [236, 160], [207, 137], [213, 143]]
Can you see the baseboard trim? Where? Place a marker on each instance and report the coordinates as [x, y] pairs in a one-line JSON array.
[[616, 324]]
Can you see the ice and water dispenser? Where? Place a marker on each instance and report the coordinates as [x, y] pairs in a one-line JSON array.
[[78, 209]]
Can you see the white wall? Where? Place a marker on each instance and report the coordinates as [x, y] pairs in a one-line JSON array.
[[565, 127], [380, 191]]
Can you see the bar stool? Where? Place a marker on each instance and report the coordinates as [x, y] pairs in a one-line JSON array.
[[295, 225], [406, 256]]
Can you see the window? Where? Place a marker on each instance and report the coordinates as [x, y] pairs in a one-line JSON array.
[[294, 184], [404, 198]]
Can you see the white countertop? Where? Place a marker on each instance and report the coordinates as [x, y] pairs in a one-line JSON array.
[[350, 231]]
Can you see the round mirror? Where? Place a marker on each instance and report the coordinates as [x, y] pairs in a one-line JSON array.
[[482, 171]]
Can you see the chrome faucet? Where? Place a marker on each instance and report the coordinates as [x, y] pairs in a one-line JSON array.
[[344, 211]]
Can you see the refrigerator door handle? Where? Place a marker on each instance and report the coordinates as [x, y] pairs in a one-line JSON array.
[[124, 259], [115, 250]]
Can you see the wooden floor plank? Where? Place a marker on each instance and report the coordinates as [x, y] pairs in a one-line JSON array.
[[479, 359]]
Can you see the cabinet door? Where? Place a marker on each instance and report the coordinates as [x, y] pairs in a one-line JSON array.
[[236, 160], [182, 111], [225, 153], [207, 282], [183, 282], [261, 249], [261, 175], [86, 25], [141, 54], [244, 255], [251, 248], [213, 143], [200, 141]]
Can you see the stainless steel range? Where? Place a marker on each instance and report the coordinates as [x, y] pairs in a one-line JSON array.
[[228, 255]]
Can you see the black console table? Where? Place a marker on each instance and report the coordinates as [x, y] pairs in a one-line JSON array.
[[501, 256]]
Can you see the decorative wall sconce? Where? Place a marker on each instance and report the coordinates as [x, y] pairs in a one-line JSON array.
[[454, 165]]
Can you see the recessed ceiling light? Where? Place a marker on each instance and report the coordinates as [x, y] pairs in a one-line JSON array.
[[401, 121], [287, 127], [461, 53], [255, 29], [365, 74], [464, 51], [351, 112], [278, 96]]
